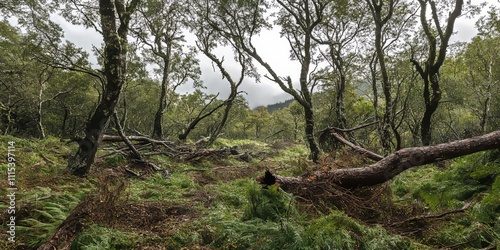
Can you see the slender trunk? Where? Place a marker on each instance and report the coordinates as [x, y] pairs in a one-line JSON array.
[[64, 121], [385, 133], [431, 105], [339, 104], [123, 120], [39, 112], [373, 74], [309, 116], [397, 136], [338, 63], [486, 106], [158, 122], [158, 126], [308, 107], [225, 116]]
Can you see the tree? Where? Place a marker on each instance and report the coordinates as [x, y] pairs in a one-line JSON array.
[[260, 119], [115, 18], [160, 28], [391, 20], [207, 105], [240, 21], [341, 31], [436, 54], [481, 61], [212, 30], [390, 166], [34, 88]]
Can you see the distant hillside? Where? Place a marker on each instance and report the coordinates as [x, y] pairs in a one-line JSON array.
[[280, 105]]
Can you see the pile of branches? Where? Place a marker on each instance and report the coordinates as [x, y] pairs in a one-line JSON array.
[[146, 146]]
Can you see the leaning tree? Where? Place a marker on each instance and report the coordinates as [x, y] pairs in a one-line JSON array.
[[115, 19]]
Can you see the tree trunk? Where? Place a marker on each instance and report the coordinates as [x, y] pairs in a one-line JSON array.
[[392, 165], [115, 40], [225, 116], [387, 120], [39, 112], [158, 126], [313, 146], [431, 105], [435, 59], [64, 121], [341, 120]]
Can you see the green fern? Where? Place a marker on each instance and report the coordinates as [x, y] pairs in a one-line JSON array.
[[97, 237]]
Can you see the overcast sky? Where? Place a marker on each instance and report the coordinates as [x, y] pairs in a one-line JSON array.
[[272, 48]]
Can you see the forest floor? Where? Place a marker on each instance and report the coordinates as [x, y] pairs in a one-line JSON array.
[[216, 203]]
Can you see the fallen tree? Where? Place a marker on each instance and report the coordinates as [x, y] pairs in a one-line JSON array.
[[388, 167]]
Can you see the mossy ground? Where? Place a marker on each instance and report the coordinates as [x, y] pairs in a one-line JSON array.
[[217, 204]]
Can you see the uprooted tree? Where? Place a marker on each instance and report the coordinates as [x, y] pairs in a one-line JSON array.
[[388, 167]]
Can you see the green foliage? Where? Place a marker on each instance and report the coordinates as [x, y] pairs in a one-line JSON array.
[[244, 144], [114, 160], [472, 178], [44, 218], [234, 193], [270, 204], [487, 210], [470, 235], [292, 153], [337, 231], [97, 237], [467, 177], [160, 187], [272, 221], [269, 221]]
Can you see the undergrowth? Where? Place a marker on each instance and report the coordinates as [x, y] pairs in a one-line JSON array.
[[270, 219], [219, 205], [471, 180], [97, 237]]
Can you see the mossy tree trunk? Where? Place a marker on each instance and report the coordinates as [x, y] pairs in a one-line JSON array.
[[115, 17]]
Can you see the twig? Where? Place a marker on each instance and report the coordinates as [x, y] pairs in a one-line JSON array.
[[346, 130], [49, 160], [130, 171], [433, 216]]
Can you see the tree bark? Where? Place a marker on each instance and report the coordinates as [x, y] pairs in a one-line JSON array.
[[392, 165], [435, 59], [158, 123], [115, 40]]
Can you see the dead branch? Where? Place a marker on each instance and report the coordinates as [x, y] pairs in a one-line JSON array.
[[358, 149], [347, 130], [49, 160], [135, 153], [198, 155], [433, 216], [167, 144]]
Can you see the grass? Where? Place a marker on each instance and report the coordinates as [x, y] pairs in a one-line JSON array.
[[467, 179], [97, 237], [219, 205]]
